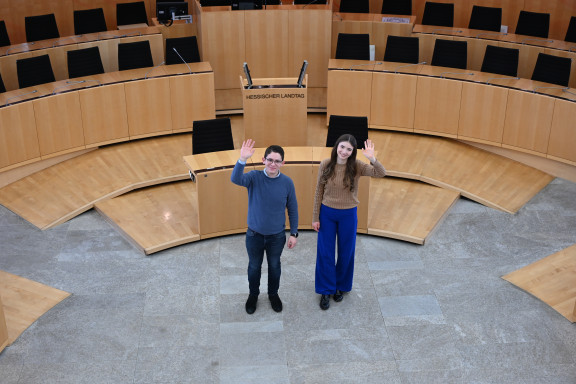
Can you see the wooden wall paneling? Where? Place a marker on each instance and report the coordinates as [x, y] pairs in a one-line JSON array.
[[560, 12], [267, 44], [309, 39], [148, 106], [350, 93], [427, 42], [437, 106], [108, 53], [393, 101], [59, 124], [528, 121], [223, 45], [476, 51], [104, 115], [8, 69], [562, 133], [482, 113], [191, 98], [18, 137], [380, 32], [346, 26], [527, 59], [58, 59]]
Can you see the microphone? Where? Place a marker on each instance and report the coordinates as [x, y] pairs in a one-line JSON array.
[[66, 38], [181, 58], [542, 40], [146, 74], [409, 65], [17, 96], [360, 65], [8, 50], [564, 89], [447, 30], [456, 73], [312, 2], [69, 83], [501, 78]]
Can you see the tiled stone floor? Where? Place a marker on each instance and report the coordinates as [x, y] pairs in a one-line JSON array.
[[438, 313]]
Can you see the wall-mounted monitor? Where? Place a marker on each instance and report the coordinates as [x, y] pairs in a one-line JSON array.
[[168, 10]]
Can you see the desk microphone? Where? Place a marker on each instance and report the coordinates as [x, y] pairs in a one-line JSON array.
[[181, 58], [17, 96], [501, 78], [447, 30], [146, 74], [491, 33], [456, 73], [542, 40], [360, 65], [8, 50], [564, 89], [312, 2], [66, 38], [409, 65]]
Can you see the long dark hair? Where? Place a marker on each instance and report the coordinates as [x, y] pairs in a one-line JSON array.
[[350, 172]]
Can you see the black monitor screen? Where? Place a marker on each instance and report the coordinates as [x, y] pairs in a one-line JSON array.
[[166, 10]]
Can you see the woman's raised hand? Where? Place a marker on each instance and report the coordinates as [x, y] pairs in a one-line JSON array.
[[368, 150]]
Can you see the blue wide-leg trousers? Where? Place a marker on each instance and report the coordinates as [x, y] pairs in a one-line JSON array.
[[335, 273]]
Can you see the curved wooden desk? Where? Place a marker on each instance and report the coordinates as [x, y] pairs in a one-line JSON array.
[[467, 105], [57, 118]]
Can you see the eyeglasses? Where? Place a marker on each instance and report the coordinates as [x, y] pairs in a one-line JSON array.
[[277, 162]]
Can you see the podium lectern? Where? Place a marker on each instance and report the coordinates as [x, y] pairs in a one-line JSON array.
[[275, 111]]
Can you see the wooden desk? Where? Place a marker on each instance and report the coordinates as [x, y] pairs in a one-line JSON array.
[[62, 117], [223, 206]]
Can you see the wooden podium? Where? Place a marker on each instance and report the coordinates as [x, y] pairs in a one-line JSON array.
[[275, 112]]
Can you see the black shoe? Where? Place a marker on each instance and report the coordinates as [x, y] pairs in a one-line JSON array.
[[338, 296], [251, 304], [325, 302], [275, 302]]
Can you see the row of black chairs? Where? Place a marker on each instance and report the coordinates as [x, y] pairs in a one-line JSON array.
[[86, 62], [454, 54], [42, 27]]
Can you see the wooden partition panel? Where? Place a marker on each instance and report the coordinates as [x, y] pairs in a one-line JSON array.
[[148, 107], [3, 328], [59, 124], [393, 101], [437, 106], [528, 121], [191, 98], [104, 115], [350, 93], [562, 144], [482, 113], [18, 138]]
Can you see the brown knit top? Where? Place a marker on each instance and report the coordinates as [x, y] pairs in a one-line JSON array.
[[334, 194]]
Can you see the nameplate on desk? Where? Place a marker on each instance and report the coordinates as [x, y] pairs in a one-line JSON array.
[[401, 20]]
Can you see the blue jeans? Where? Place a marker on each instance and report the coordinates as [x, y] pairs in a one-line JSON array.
[[256, 244]]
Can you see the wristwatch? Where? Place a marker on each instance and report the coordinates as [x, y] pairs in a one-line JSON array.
[[294, 234]]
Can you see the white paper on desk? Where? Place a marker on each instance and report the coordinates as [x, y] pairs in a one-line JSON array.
[[402, 20]]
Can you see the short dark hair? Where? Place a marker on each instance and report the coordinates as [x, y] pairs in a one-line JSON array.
[[275, 149]]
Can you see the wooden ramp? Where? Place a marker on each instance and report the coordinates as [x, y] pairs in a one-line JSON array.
[[165, 216], [155, 218], [24, 301], [552, 280], [63, 191]]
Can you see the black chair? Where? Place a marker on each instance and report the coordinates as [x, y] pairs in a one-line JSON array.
[[187, 47], [402, 49], [500, 60], [353, 46], [355, 6], [215, 3], [308, 1], [340, 125], [450, 53], [485, 18], [211, 136], [4, 38], [41, 27], [396, 7], [84, 62], [131, 13], [134, 55], [34, 71], [533, 24], [571, 32], [552, 69], [440, 14], [89, 21], [2, 87]]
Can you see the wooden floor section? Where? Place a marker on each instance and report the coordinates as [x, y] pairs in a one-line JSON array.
[[24, 301], [552, 280]]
